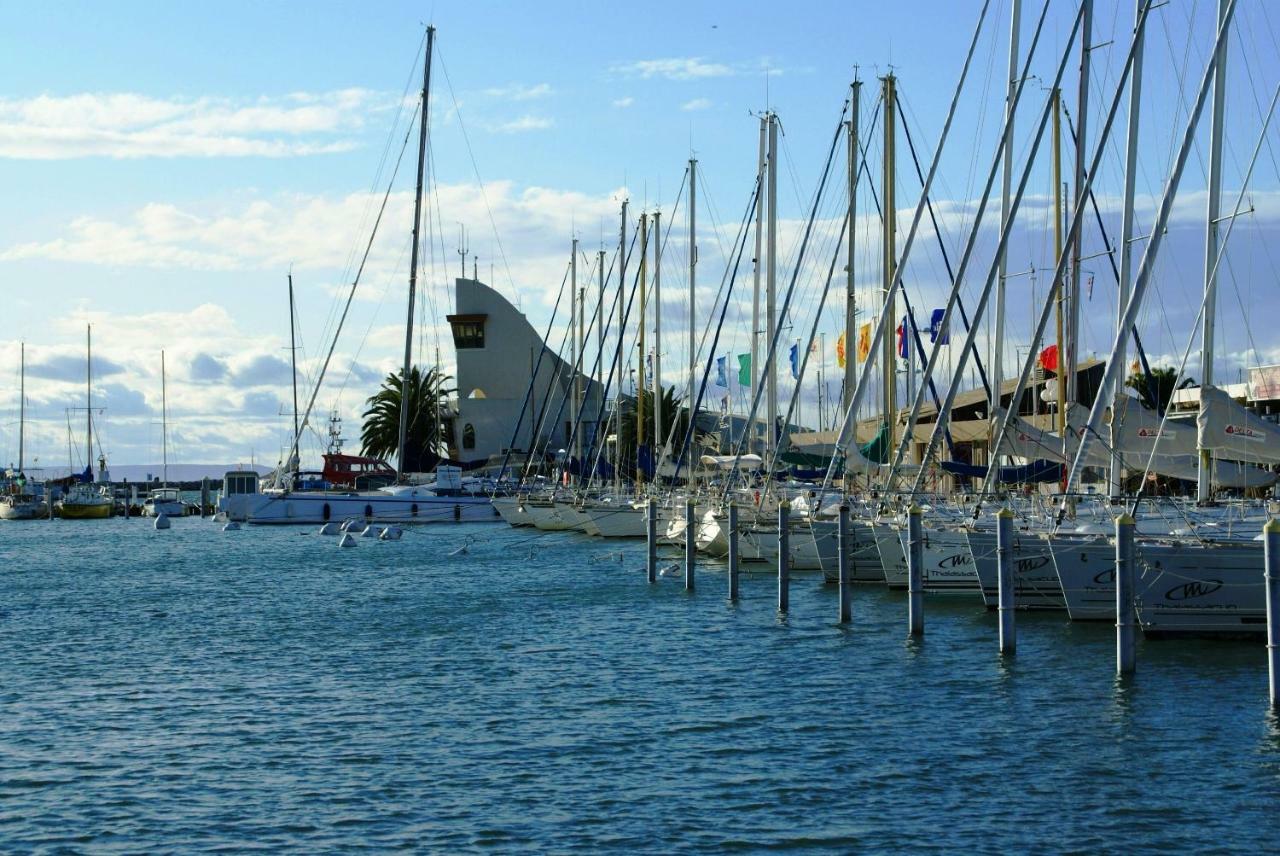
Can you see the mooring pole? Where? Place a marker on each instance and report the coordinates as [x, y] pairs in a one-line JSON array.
[[842, 559], [1126, 626], [690, 543], [733, 552], [915, 571], [204, 496], [48, 498], [1271, 550], [651, 535], [1004, 554], [784, 556]]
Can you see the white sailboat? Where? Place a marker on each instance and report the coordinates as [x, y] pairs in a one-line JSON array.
[[18, 503], [164, 499]]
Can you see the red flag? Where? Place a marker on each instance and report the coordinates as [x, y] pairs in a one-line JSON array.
[[1049, 358]]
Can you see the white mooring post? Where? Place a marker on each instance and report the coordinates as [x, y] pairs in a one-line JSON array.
[[842, 562], [784, 556], [651, 535], [915, 571], [733, 552], [1126, 625], [690, 543], [1271, 550], [1004, 554]]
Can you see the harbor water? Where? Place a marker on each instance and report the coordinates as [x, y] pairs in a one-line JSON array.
[[198, 689]]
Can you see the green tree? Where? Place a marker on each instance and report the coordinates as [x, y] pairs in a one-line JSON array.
[[380, 434], [673, 413], [1165, 381]]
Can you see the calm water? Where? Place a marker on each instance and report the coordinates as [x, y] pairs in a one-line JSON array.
[[196, 689]]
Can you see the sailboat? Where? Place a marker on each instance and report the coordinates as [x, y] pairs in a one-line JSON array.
[[164, 499], [448, 498], [85, 501], [18, 503]]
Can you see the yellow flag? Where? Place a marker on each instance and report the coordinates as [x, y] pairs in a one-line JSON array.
[[840, 351], [864, 342]]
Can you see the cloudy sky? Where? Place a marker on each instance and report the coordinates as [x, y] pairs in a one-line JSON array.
[[166, 165]]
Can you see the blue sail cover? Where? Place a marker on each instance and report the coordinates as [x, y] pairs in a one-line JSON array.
[[1036, 471]]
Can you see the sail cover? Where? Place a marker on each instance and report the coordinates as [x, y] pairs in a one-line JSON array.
[[1026, 441], [1231, 431]]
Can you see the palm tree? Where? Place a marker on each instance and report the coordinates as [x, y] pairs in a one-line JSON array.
[[1164, 380], [380, 434], [673, 413]]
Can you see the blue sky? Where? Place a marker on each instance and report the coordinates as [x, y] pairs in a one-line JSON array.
[[164, 164]]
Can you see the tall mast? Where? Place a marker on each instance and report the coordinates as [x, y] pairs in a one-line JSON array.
[[1126, 229], [575, 346], [693, 288], [888, 350], [1204, 486], [1072, 354], [1006, 177], [1058, 287], [639, 389], [164, 424], [657, 333], [88, 388], [22, 402], [759, 260], [600, 340], [851, 297], [293, 353], [617, 392], [413, 258], [771, 323]]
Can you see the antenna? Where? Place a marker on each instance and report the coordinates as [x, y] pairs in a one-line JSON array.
[[462, 249]]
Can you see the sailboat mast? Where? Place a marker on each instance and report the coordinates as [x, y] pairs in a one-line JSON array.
[[88, 397], [622, 317], [413, 259], [22, 401], [1006, 178], [771, 322], [657, 332], [1126, 228], [1072, 354], [851, 296], [1058, 287], [164, 424], [693, 288], [293, 353], [888, 350], [754, 374], [1204, 486], [575, 346], [640, 382]]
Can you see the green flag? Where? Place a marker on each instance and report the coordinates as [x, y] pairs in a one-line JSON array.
[[744, 370]]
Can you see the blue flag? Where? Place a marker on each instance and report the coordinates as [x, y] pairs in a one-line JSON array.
[[936, 333], [722, 379], [795, 362]]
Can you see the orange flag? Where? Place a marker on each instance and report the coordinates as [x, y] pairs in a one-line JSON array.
[[864, 342], [840, 351]]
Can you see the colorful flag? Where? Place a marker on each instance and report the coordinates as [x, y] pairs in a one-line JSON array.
[[795, 361], [936, 333], [1049, 358], [813, 347], [902, 340], [721, 378], [864, 342], [744, 370], [840, 352]]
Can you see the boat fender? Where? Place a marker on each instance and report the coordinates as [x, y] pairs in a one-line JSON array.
[[347, 540], [162, 521], [331, 528]]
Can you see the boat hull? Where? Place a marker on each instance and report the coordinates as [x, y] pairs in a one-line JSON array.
[[74, 511], [312, 508]]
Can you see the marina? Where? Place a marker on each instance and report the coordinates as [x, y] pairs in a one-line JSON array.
[[893, 468]]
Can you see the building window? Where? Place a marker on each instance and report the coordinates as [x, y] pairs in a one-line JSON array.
[[468, 331], [468, 436]]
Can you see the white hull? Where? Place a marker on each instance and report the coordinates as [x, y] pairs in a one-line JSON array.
[[511, 509], [171, 508], [712, 539], [616, 520], [280, 507], [1035, 580], [547, 517], [1196, 590], [19, 510], [1086, 569]]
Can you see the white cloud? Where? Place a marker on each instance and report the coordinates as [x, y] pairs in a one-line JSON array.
[[129, 125], [522, 124], [520, 92], [624, 102], [674, 68], [696, 104]]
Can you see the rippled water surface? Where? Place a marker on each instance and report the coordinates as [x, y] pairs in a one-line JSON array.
[[196, 689]]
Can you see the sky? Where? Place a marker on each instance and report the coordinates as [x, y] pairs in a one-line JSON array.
[[165, 166]]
